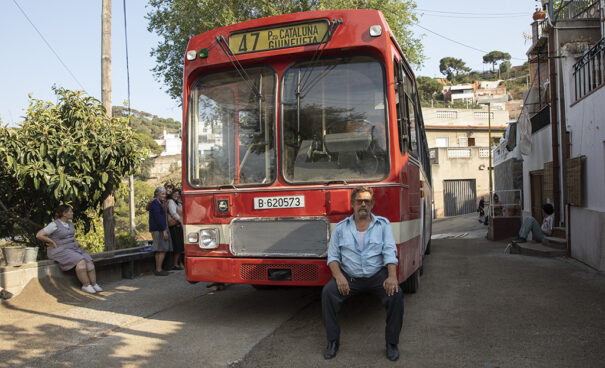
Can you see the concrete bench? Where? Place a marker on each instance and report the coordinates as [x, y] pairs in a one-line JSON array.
[[111, 266], [127, 259]]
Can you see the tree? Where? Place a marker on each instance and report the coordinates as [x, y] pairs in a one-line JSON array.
[[494, 57], [71, 153], [176, 21], [428, 87], [504, 67], [453, 69]]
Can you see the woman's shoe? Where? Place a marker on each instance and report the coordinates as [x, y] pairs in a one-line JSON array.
[[88, 289], [97, 288]]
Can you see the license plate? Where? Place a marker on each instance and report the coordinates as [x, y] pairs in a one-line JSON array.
[[267, 203]]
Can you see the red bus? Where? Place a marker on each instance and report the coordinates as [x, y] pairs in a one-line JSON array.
[[283, 116]]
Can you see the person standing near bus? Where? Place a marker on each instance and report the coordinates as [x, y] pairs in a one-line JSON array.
[[363, 258], [158, 227]]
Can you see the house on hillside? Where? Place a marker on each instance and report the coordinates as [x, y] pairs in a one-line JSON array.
[[562, 125], [170, 158], [459, 149]]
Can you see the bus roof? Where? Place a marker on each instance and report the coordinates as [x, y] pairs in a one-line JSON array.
[[353, 32]]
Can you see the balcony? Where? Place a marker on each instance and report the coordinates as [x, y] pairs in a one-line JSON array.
[[577, 9], [589, 71]]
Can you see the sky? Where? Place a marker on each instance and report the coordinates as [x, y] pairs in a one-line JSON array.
[[464, 29]]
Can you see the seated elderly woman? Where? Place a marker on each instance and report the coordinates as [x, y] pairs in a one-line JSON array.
[[65, 250]]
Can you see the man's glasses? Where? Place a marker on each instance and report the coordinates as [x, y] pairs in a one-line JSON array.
[[360, 201]]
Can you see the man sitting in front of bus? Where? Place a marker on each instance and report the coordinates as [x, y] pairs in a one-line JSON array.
[[363, 258]]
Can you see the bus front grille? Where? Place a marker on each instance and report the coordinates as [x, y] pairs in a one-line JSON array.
[[280, 237], [260, 272]]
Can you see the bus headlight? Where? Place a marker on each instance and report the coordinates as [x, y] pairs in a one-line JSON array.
[[208, 239]]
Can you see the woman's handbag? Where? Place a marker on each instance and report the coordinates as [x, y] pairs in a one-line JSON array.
[[171, 220]]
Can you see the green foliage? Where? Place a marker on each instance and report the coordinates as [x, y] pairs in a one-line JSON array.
[[71, 153], [494, 57], [143, 193], [176, 21], [428, 87], [92, 240], [455, 70], [147, 124], [125, 240]]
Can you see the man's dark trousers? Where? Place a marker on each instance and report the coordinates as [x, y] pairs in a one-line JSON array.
[[331, 301]]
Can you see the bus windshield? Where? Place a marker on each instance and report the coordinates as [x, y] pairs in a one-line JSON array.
[[231, 129], [334, 121]]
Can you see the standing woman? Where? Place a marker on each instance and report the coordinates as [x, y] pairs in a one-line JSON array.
[[175, 222], [158, 226], [65, 250]]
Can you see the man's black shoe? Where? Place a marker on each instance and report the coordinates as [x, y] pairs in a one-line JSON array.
[[520, 240], [392, 352], [331, 350]]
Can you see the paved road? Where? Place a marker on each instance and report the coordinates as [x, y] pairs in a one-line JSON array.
[[476, 307]]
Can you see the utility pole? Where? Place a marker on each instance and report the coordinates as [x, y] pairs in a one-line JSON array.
[[108, 220], [489, 133]]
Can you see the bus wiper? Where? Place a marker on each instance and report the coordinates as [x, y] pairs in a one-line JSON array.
[[319, 51], [337, 182], [237, 66]]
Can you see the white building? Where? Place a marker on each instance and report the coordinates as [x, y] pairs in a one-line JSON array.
[[171, 143]]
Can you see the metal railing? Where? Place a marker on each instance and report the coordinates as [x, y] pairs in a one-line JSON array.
[[577, 9], [589, 71]]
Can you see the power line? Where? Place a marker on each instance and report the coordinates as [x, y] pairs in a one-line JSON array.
[[464, 13], [474, 16], [49, 46], [457, 42]]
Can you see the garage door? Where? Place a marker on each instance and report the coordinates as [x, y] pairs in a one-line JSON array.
[[459, 197]]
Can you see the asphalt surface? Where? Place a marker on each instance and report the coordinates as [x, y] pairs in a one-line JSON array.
[[476, 307]]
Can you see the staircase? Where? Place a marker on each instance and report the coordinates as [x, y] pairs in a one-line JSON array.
[[551, 246]]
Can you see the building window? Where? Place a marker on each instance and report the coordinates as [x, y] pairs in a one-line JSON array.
[[462, 141], [442, 142], [483, 152], [471, 142]]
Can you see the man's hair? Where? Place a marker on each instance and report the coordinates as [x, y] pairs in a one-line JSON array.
[[357, 190], [548, 208]]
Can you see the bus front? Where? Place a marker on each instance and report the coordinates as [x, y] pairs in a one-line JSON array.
[[281, 123]]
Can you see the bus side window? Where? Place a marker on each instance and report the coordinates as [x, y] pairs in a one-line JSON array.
[[400, 106], [413, 128]]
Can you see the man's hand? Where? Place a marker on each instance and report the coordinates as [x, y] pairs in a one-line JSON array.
[[343, 284], [390, 285], [165, 234]]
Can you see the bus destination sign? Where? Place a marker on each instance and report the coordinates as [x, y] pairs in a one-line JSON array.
[[278, 38]]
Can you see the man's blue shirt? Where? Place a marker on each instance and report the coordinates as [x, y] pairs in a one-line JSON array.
[[378, 251]]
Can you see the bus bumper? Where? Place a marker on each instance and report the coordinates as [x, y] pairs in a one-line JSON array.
[[295, 272]]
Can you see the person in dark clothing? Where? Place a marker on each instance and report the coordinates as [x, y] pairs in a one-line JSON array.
[[158, 226]]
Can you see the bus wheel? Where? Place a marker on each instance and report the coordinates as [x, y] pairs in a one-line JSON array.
[[193, 282], [410, 286]]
